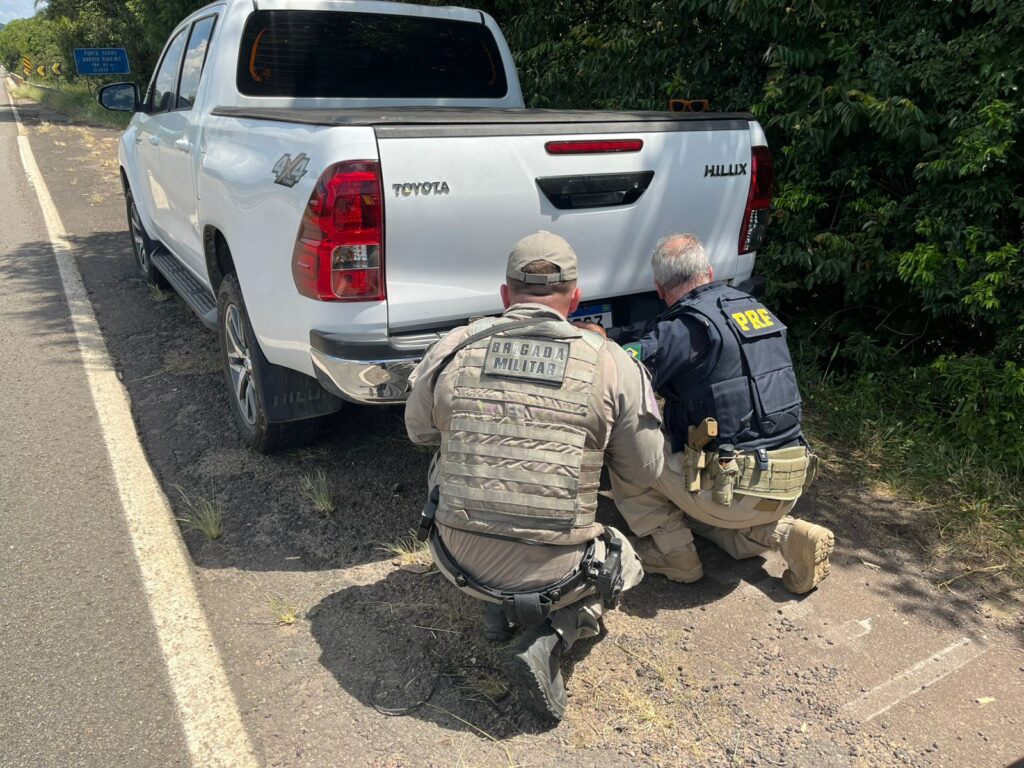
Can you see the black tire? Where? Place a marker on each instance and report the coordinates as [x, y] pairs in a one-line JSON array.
[[142, 244], [241, 359]]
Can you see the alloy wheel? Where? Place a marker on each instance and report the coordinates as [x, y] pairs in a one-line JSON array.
[[139, 241], [240, 364]]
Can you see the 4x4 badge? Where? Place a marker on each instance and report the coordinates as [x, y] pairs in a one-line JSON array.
[[287, 171]]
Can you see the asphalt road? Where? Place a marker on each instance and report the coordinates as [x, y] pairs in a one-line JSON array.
[[82, 678], [314, 621]]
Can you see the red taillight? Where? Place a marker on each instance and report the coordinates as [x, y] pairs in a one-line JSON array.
[[339, 251], [759, 200], [593, 147]]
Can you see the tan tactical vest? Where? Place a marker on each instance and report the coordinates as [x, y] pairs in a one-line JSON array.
[[517, 459]]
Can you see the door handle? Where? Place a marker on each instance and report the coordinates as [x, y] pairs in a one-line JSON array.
[[183, 144], [154, 140]]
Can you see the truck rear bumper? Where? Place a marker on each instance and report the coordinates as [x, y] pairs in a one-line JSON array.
[[360, 372]]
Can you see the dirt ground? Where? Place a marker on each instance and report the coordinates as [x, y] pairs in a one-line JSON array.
[[338, 656]]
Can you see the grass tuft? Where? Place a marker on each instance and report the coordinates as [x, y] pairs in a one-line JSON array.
[[202, 514], [317, 489], [642, 714], [156, 293], [285, 613], [484, 687], [407, 551]]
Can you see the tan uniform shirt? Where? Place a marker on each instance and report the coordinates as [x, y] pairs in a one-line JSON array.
[[634, 451]]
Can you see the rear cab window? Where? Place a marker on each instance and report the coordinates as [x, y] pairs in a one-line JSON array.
[[195, 59], [161, 95], [332, 54]]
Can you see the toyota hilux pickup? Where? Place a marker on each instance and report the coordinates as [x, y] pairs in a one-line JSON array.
[[333, 184]]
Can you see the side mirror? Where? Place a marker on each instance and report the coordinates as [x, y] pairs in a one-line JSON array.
[[119, 97]]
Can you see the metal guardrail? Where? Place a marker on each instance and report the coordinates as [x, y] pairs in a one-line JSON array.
[[25, 81]]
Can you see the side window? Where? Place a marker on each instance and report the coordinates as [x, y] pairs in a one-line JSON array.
[[195, 58], [162, 97]]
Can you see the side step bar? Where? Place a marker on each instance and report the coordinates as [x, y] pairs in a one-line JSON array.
[[195, 294]]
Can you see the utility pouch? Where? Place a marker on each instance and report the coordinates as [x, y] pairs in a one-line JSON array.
[[726, 473], [693, 462], [812, 469], [428, 513], [527, 609], [783, 479], [609, 578]]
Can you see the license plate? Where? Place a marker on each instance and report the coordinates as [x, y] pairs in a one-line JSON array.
[[599, 314]]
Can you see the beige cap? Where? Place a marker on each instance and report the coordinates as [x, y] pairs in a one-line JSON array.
[[547, 247]]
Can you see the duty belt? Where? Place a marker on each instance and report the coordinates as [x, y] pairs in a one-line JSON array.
[[530, 608]]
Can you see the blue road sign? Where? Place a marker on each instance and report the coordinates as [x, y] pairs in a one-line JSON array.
[[101, 61]]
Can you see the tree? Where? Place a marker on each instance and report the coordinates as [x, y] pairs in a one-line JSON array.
[[898, 224]]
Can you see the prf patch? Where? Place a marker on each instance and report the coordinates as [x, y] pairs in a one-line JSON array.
[[754, 320], [530, 359]]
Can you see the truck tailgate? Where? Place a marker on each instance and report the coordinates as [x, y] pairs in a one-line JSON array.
[[459, 194]]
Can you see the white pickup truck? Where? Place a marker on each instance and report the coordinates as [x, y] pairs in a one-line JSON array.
[[332, 184]]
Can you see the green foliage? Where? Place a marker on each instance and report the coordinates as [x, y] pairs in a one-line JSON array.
[[898, 223], [38, 38], [140, 26], [898, 228]]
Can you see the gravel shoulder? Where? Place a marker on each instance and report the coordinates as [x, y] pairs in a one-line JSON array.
[[320, 629]]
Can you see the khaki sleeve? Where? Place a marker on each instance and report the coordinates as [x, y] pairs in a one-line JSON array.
[[636, 446], [419, 408]]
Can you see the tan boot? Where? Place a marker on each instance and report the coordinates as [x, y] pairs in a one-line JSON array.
[[681, 564], [806, 551]]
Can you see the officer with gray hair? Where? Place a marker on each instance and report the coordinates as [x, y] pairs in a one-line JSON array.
[[526, 408], [736, 460]]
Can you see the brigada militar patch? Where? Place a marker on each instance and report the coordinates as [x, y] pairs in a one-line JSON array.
[[531, 359]]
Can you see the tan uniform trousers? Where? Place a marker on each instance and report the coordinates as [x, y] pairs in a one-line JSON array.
[[516, 566], [670, 513]]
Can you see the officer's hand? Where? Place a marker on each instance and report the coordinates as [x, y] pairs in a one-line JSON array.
[[592, 327]]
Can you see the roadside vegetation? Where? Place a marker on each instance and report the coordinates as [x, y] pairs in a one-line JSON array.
[[895, 249], [409, 553], [202, 515], [316, 489], [974, 505], [76, 101], [285, 613]]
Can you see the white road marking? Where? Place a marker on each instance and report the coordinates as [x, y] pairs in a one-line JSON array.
[[913, 680], [209, 714], [846, 632]]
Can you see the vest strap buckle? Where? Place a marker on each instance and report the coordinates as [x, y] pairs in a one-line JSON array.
[[762, 459]]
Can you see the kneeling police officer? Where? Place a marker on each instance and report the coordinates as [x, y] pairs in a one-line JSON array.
[[526, 409], [736, 460]]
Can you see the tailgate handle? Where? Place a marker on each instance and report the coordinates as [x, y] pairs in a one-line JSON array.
[[595, 190]]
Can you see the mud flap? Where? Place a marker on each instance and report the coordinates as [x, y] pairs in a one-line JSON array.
[[289, 395]]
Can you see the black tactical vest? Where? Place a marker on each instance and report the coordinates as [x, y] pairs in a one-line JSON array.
[[751, 389]]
